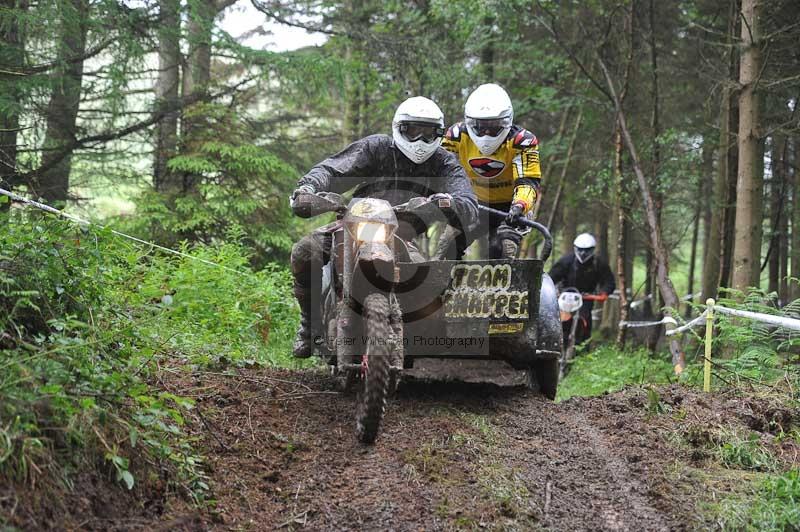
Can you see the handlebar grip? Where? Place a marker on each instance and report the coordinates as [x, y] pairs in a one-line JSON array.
[[547, 249]]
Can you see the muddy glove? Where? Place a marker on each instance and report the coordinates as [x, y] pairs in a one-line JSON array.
[[337, 199], [303, 189], [514, 214]]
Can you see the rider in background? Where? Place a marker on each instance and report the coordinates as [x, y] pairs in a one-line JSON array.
[[502, 161], [586, 272], [409, 164]]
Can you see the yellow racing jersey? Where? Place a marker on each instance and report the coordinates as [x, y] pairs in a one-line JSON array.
[[510, 175]]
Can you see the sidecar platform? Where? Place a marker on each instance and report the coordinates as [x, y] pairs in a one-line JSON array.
[[471, 309]]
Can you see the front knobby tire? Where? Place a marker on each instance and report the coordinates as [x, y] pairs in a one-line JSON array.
[[374, 386]]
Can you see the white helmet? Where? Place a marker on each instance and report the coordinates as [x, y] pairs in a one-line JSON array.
[[417, 128], [584, 247], [488, 114]]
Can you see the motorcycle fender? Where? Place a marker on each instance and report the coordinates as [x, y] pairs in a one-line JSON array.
[[374, 252], [374, 271]]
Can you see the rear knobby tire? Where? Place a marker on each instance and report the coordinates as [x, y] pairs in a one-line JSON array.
[[373, 389]]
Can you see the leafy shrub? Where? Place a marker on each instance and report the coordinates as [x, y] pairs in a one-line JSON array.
[[86, 322], [229, 184], [747, 351]]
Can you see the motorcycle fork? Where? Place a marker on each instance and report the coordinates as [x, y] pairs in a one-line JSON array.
[[398, 360], [573, 329], [345, 333]]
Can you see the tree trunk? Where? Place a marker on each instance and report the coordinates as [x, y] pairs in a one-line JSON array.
[[12, 60], [601, 235], [726, 275], [777, 193], [695, 237], [569, 222], [622, 223], [713, 252], [794, 287], [167, 85], [564, 169], [655, 126], [562, 126], [569, 225], [665, 286], [732, 161], [197, 70], [62, 110], [783, 226], [487, 50], [749, 185], [199, 27], [758, 202]]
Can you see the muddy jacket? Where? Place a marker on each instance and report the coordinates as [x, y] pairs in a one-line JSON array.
[[509, 175], [377, 169]]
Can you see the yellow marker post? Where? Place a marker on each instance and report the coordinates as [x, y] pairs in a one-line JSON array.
[[709, 333]]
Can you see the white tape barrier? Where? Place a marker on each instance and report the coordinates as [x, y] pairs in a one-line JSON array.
[[639, 302], [778, 321], [699, 320], [633, 324]]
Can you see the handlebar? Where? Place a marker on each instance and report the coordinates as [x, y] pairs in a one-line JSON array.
[[548, 238]]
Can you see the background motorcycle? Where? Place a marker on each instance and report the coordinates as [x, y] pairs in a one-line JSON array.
[[570, 302]]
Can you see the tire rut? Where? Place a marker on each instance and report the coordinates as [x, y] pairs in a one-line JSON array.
[[583, 479]]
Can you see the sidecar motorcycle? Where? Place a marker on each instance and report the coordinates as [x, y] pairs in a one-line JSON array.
[[381, 305]]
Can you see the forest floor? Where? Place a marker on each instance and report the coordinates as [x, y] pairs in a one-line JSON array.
[[282, 454]]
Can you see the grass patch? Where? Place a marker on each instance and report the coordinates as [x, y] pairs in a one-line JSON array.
[[748, 453], [773, 505], [607, 369]]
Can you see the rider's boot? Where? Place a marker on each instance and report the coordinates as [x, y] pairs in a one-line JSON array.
[[510, 249], [303, 343]]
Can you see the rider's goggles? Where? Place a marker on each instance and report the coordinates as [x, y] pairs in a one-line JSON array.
[[414, 131], [584, 254], [490, 127]]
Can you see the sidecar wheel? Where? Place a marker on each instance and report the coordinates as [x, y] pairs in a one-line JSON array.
[[374, 385]]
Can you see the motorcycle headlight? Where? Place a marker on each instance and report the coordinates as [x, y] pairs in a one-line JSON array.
[[371, 232]]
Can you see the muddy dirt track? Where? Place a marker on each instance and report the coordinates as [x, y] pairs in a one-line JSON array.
[[452, 456], [282, 454]]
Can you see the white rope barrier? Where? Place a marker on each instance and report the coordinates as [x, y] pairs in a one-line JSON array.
[[75, 219], [634, 324], [771, 319], [699, 320], [778, 321], [639, 302]]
